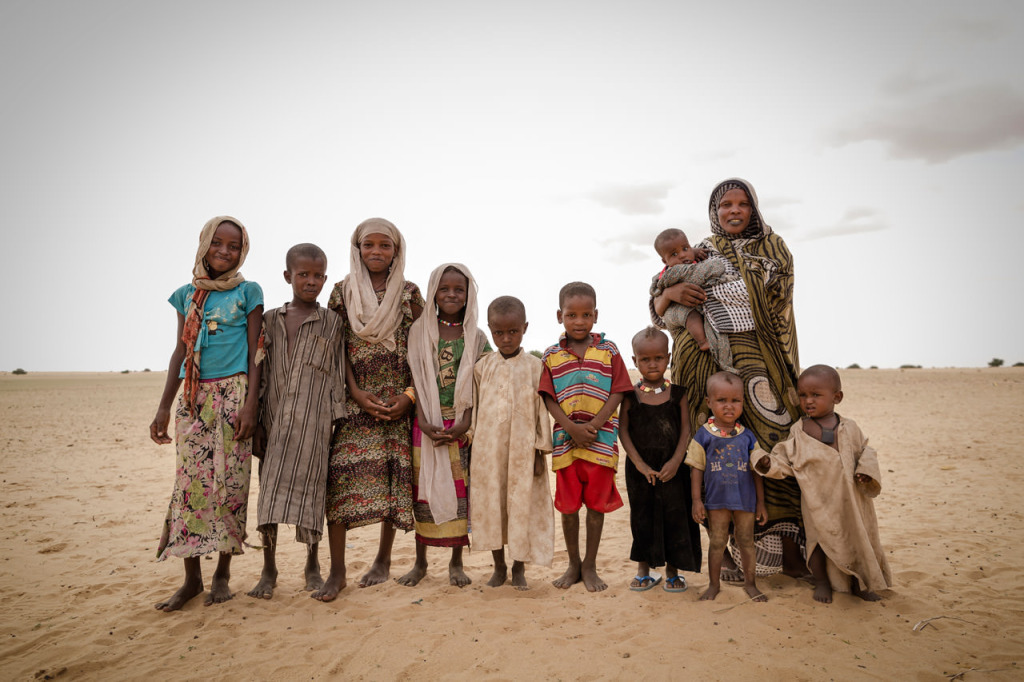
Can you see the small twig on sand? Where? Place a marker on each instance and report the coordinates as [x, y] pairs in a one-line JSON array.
[[922, 624], [745, 601], [960, 675]]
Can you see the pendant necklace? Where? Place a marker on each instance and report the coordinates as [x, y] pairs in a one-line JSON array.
[[828, 435]]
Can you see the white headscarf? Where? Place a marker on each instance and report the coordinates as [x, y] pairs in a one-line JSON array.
[[435, 479], [373, 322]]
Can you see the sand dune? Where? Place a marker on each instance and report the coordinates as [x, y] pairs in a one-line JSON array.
[[85, 492]]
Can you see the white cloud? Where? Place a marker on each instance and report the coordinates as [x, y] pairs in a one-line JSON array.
[[643, 199]]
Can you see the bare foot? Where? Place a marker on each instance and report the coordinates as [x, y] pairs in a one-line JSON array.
[[188, 590], [592, 580], [413, 577], [314, 581], [866, 595], [265, 587], [519, 576], [499, 576], [754, 593], [219, 590], [710, 593], [457, 576], [334, 584], [823, 592], [379, 573], [798, 573], [703, 344], [569, 578]]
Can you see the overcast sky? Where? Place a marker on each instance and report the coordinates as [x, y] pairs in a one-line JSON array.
[[537, 142]]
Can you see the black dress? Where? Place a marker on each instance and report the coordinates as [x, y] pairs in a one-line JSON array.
[[660, 515]]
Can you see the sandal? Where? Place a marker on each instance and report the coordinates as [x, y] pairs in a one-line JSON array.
[[646, 582], [675, 584]]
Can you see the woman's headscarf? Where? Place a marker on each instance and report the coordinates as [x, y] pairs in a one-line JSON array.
[[756, 229], [435, 479], [373, 322], [194, 335]]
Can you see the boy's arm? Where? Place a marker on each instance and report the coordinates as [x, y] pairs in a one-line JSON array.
[[867, 472], [695, 459], [576, 432], [245, 425], [627, 444], [777, 463], [542, 436], [760, 511]]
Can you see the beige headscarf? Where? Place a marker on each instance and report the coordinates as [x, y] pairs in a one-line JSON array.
[[435, 480], [200, 275], [372, 322]]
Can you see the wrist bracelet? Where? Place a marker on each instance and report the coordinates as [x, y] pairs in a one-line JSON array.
[[410, 393]]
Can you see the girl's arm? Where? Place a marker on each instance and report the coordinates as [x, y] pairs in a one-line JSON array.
[[434, 433], [158, 427], [671, 468], [460, 427], [627, 443], [245, 426]]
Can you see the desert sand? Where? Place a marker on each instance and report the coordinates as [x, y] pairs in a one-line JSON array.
[[85, 492]]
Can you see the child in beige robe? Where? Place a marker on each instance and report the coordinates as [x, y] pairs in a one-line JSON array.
[[510, 498]]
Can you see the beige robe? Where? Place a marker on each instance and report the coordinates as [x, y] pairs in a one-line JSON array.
[[838, 512], [508, 504]]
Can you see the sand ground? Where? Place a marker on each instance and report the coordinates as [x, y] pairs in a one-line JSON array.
[[85, 492]]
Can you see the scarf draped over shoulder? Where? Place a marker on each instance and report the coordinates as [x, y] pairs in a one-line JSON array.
[[372, 321], [435, 479]]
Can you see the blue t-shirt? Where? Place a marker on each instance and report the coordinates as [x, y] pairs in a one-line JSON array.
[[725, 460], [222, 336]]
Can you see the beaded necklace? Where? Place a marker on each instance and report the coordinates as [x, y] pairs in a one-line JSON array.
[[651, 389]]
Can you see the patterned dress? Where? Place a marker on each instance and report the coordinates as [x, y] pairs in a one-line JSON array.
[[369, 478]]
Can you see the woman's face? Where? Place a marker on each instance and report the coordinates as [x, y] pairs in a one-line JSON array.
[[734, 211], [377, 251]]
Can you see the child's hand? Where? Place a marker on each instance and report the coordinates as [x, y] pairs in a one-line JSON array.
[[434, 433], [649, 474], [761, 514], [699, 513], [763, 464], [245, 424], [700, 254], [539, 463], [668, 472], [259, 442], [862, 478], [396, 407], [158, 427], [369, 403], [582, 434]]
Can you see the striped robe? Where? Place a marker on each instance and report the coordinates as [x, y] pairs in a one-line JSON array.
[[302, 393]]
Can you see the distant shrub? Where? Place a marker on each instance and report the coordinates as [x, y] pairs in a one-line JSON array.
[[125, 371], [873, 367], [146, 370], [995, 362], [854, 366], [19, 371], [910, 366], [1018, 364], [537, 354]]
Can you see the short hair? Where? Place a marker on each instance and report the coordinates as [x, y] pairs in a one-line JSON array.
[[823, 372], [649, 333], [506, 305], [576, 289], [303, 251], [666, 236], [722, 378]]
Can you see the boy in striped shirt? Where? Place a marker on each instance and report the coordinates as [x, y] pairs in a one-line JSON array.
[[583, 383]]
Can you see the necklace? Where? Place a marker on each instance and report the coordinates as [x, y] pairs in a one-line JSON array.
[[449, 324], [715, 428], [828, 435], [650, 389]]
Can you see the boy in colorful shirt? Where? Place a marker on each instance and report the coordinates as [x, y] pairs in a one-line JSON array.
[[583, 383]]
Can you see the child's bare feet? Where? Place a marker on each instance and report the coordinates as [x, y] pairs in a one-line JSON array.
[[571, 576], [711, 592], [592, 580], [866, 595], [499, 576], [457, 576], [186, 592], [264, 589], [413, 577], [823, 591], [314, 581], [754, 593], [519, 575], [334, 584], [378, 574], [220, 592]]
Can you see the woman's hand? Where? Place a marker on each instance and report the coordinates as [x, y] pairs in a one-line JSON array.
[[158, 428], [690, 295]]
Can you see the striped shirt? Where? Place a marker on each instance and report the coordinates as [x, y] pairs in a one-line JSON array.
[[582, 386]]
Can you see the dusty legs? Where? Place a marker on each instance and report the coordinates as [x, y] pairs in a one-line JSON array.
[[336, 582], [193, 585], [456, 575], [500, 575], [719, 535], [585, 570]]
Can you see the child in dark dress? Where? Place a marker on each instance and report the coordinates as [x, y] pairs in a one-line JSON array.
[[655, 430]]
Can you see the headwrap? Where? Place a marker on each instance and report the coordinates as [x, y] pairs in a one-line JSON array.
[[194, 334], [372, 321], [757, 228], [435, 479]]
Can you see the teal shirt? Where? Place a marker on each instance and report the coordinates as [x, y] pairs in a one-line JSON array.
[[225, 348]]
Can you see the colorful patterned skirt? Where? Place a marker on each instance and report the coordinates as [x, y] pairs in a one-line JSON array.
[[211, 482], [454, 533]]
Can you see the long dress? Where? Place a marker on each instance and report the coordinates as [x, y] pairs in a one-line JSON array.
[[659, 515], [369, 478]]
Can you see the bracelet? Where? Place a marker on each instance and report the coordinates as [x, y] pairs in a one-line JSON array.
[[410, 393]]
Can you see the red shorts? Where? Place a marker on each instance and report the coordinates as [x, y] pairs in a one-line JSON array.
[[584, 482]]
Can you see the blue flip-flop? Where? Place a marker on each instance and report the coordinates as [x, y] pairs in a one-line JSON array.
[[646, 582], [675, 584]]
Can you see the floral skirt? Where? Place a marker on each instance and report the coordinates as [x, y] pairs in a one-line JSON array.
[[211, 482], [454, 533]]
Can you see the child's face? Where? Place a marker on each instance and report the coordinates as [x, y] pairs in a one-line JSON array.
[[676, 251], [225, 250], [818, 396], [377, 251], [307, 276], [578, 315], [507, 330], [734, 211], [451, 294], [726, 402], [651, 359]]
